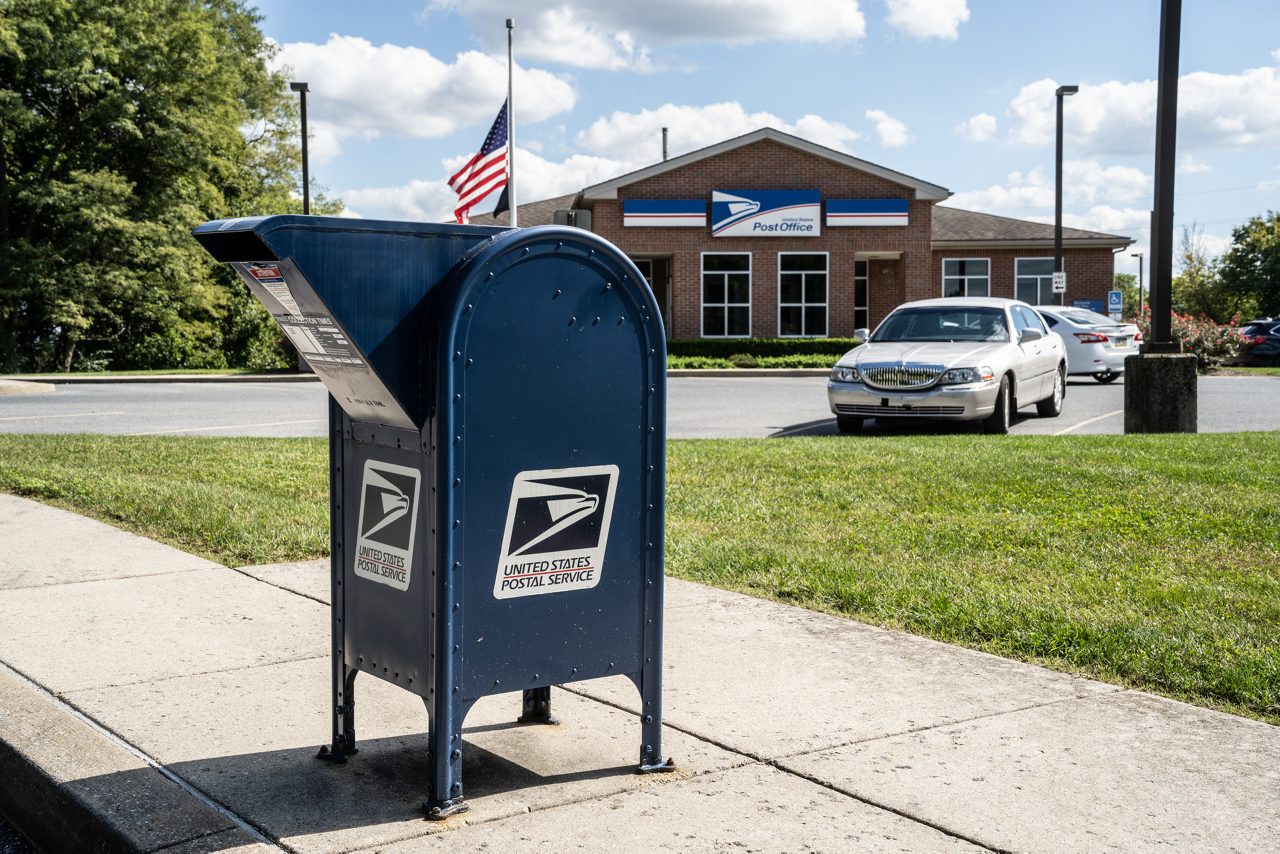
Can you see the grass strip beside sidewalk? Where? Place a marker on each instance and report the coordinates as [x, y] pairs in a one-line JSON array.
[[1151, 561]]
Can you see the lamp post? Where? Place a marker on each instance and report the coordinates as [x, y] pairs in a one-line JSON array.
[[301, 89], [1057, 189], [1138, 255]]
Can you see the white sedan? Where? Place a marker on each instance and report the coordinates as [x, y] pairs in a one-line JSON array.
[[1096, 344], [957, 359]]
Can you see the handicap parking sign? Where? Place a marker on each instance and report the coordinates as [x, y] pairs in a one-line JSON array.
[[1115, 302]]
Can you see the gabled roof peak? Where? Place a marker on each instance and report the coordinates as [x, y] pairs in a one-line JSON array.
[[923, 189]]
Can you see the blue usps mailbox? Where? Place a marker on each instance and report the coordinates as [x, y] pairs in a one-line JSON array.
[[497, 460]]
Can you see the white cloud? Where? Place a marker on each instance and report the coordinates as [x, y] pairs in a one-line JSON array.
[[636, 138], [1114, 117], [361, 89], [1130, 222], [923, 19], [606, 34], [1190, 166], [891, 131], [979, 128], [1083, 182], [433, 201]]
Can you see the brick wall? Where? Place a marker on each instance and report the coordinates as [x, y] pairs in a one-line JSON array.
[[769, 165], [1090, 272]]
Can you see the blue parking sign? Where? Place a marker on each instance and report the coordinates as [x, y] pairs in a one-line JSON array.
[[1115, 301]]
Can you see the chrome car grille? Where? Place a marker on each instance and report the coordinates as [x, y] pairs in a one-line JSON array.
[[900, 376], [908, 409]]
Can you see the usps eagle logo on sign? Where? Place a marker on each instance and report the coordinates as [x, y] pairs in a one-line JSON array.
[[766, 213], [387, 523], [556, 532]]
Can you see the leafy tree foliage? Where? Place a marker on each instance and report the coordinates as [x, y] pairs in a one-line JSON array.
[[1127, 284], [1251, 266], [1198, 289], [123, 124]]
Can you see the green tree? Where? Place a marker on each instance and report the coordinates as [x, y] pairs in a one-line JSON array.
[[122, 126], [1251, 266], [1198, 288], [1127, 284]]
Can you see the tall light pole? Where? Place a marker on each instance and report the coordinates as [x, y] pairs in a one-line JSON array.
[[1057, 189], [301, 89], [1138, 255]]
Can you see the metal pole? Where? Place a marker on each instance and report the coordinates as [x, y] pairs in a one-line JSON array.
[[301, 89], [1057, 189], [511, 130], [1138, 255], [1166, 145], [664, 145]]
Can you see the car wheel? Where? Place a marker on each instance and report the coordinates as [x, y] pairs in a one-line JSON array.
[[998, 422], [1106, 376], [849, 423], [1051, 406]]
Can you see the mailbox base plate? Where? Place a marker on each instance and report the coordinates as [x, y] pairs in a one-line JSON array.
[[439, 811]]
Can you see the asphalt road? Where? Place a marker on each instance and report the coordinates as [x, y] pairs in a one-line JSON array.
[[698, 407]]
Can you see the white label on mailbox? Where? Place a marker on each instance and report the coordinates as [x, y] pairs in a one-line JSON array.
[[387, 523], [556, 533]]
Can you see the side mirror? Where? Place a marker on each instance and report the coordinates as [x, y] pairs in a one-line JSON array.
[[1031, 335], [862, 334]]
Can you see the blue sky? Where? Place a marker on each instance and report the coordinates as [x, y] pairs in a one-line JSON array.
[[956, 92]]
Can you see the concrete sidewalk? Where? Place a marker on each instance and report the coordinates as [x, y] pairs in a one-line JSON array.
[[150, 700]]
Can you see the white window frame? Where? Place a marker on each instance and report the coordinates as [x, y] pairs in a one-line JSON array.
[[865, 278], [804, 304], [702, 295], [1017, 262], [966, 278]]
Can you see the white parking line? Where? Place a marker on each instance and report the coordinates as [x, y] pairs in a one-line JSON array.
[[68, 415], [1087, 423], [233, 427]]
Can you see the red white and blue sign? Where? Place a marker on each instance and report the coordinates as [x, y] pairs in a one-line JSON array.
[[864, 212], [670, 213], [766, 213]]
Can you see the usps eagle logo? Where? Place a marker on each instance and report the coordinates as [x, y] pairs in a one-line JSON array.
[[556, 531]]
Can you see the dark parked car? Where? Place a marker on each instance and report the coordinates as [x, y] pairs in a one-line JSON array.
[[1261, 342]]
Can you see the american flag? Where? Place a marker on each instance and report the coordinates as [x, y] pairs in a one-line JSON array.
[[483, 173]]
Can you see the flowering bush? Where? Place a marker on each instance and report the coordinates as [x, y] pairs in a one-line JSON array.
[[1212, 343]]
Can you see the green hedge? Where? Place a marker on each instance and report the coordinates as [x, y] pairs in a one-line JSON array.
[[723, 348]]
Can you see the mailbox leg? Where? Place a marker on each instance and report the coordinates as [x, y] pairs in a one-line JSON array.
[[344, 716], [536, 707], [444, 761]]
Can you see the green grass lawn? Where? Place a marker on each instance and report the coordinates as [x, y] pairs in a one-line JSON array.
[[1151, 561]]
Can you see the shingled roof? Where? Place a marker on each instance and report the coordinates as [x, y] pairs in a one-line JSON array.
[[535, 213], [953, 227]]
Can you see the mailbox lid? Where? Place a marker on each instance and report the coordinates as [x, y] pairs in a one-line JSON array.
[[367, 281]]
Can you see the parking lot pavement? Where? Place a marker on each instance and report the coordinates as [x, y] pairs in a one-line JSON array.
[[697, 408], [185, 712]]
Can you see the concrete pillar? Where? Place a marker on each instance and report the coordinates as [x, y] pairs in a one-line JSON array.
[[1160, 393]]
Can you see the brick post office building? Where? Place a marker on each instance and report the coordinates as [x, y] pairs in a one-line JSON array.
[[769, 235]]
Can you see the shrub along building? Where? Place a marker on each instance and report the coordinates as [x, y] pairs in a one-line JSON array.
[[769, 235]]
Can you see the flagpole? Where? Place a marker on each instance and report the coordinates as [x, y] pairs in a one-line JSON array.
[[511, 132]]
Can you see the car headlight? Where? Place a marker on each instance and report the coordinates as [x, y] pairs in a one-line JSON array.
[[842, 374], [960, 376]]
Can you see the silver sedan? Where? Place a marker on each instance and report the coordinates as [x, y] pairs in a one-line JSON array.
[[956, 358]]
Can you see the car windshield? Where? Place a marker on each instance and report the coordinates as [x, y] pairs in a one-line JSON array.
[[944, 323]]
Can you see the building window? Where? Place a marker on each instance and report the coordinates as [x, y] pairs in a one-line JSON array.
[[802, 294], [860, 280], [726, 295], [966, 277], [1034, 281]]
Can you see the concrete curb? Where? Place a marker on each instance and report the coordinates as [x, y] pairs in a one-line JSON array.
[[24, 387], [72, 786], [103, 379]]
